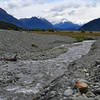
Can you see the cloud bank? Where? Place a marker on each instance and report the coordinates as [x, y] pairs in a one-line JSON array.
[[77, 11]]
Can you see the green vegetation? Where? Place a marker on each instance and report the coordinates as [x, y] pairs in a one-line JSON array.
[[83, 31], [81, 37], [51, 30], [90, 32], [43, 30], [36, 29]]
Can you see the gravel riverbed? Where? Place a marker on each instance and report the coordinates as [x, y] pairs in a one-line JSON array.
[[31, 46], [48, 67]]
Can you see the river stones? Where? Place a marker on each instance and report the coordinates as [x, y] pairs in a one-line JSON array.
[[97, 91], [81, 98], [68, 92]]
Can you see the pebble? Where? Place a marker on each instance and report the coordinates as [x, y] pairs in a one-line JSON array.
[[97, 62], [90, 94], [53, 93], [81, 98], [76, 95], [97, 91], [97, 98], [68, 92], [97, 84]]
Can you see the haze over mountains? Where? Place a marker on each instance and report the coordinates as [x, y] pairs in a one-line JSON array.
[[66, 26]]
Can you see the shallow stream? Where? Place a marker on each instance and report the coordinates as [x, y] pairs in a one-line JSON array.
[[29, 77]]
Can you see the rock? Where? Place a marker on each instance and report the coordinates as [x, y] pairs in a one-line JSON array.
[[87, 74], [97, 98], [85, 70], [83, 87], [97, 62], [90, 94], [97, 91], [81, 98], [84, 95], [10, 59], [76, 95], [53, 93], [68, 92], [96, 84]]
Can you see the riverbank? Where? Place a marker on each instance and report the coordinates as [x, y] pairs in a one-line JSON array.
[[52, 74], [31, 46]]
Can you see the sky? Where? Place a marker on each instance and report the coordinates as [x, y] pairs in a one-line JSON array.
[[76, 11]]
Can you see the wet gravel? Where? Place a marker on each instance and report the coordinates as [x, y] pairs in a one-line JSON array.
[[49, 69]]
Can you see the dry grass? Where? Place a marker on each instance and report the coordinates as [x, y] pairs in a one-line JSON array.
[[80, 36]]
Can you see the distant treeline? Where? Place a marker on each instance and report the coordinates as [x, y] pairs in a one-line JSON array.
[[9, 26], [38, 29]]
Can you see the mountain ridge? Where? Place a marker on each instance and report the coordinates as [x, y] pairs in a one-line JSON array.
[[4, 16], [35, 22], [93, 25], [66, 26]]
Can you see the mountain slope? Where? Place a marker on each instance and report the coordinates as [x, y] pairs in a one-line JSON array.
[[66, 26], [4, 16], [34, 22], [26, 23], [5, 25], [93, 25]]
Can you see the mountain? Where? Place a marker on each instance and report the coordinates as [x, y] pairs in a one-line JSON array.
[[34, 22], [93, 25], [66, 26], [4, 16], [6, 25], [25, 23]]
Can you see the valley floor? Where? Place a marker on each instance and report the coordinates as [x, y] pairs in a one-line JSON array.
[[48, 67]]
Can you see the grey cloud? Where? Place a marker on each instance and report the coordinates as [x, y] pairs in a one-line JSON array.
[[11, 6], [63, 7], [26, 4], [71, 13], [73, 6], [57, 9], [94, 4]]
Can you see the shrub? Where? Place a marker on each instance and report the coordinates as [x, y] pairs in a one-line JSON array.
[[43, 30], [90, 32], [51, 30], [36, 29], [83, 31], [82, 38]]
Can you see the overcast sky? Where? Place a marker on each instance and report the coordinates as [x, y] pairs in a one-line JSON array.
[[77, 11]]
